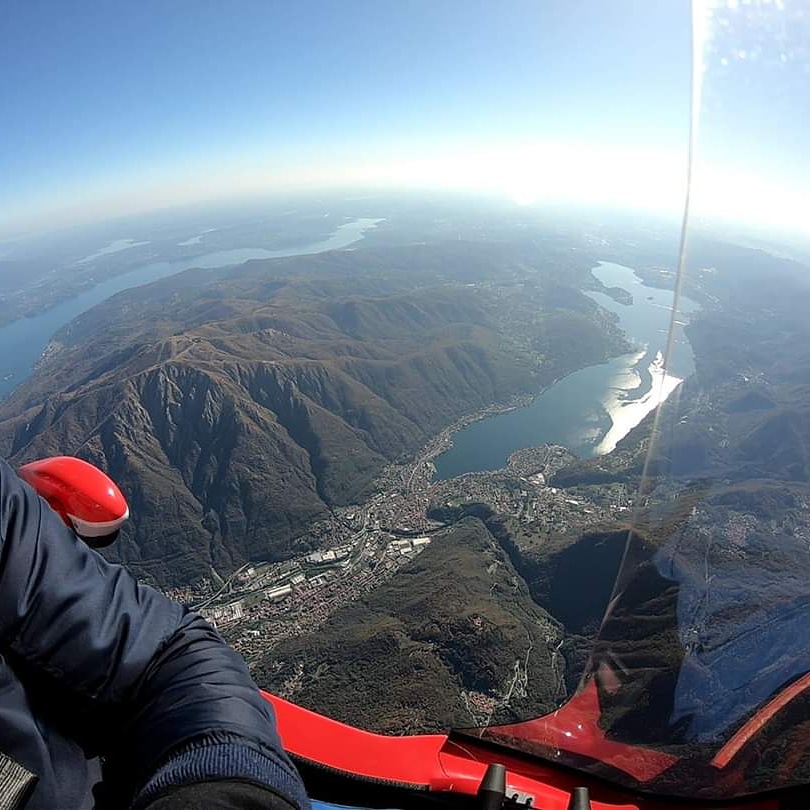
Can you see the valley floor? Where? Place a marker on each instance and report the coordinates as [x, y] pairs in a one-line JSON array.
[[361, 547]]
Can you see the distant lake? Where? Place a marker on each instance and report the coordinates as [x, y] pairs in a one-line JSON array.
[[592, 409], [114, 247], [22, 342]]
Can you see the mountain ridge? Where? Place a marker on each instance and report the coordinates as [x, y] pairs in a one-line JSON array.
[[237, 411]]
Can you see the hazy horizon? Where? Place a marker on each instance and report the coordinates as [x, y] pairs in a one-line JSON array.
[[144, 107]]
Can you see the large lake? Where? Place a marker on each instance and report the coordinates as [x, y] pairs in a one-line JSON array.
[[590, 410], [22, 342]]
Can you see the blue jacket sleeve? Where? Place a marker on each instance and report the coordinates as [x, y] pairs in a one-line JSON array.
[[154, 681]]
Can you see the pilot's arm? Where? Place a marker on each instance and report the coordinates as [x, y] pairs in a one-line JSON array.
[[134, 677]]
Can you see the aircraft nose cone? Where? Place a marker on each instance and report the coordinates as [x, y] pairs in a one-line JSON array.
[[87, 498]]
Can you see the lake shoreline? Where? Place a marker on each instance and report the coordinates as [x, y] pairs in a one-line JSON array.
[[584, 407], [28, 341], [516, 403]]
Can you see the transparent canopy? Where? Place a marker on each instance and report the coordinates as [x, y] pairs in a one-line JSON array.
[[698, 679]]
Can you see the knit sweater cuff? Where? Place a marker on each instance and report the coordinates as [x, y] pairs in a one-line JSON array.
[[207, 760]]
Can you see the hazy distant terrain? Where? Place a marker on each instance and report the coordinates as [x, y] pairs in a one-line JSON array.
[[41, 271]]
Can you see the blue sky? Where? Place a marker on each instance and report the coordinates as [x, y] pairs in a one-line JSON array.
[[113, 107]]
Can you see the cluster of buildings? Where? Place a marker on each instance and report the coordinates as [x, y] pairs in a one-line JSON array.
[[330, 555], [303, 602], [364, 546], [407, 547]]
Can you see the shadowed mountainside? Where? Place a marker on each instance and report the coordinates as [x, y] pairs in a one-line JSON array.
[[454, 639]]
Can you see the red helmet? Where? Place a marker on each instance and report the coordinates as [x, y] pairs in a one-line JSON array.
[[86, 498]]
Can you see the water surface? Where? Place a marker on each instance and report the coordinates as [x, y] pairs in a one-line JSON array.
[[22, 342], [592, 409]]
